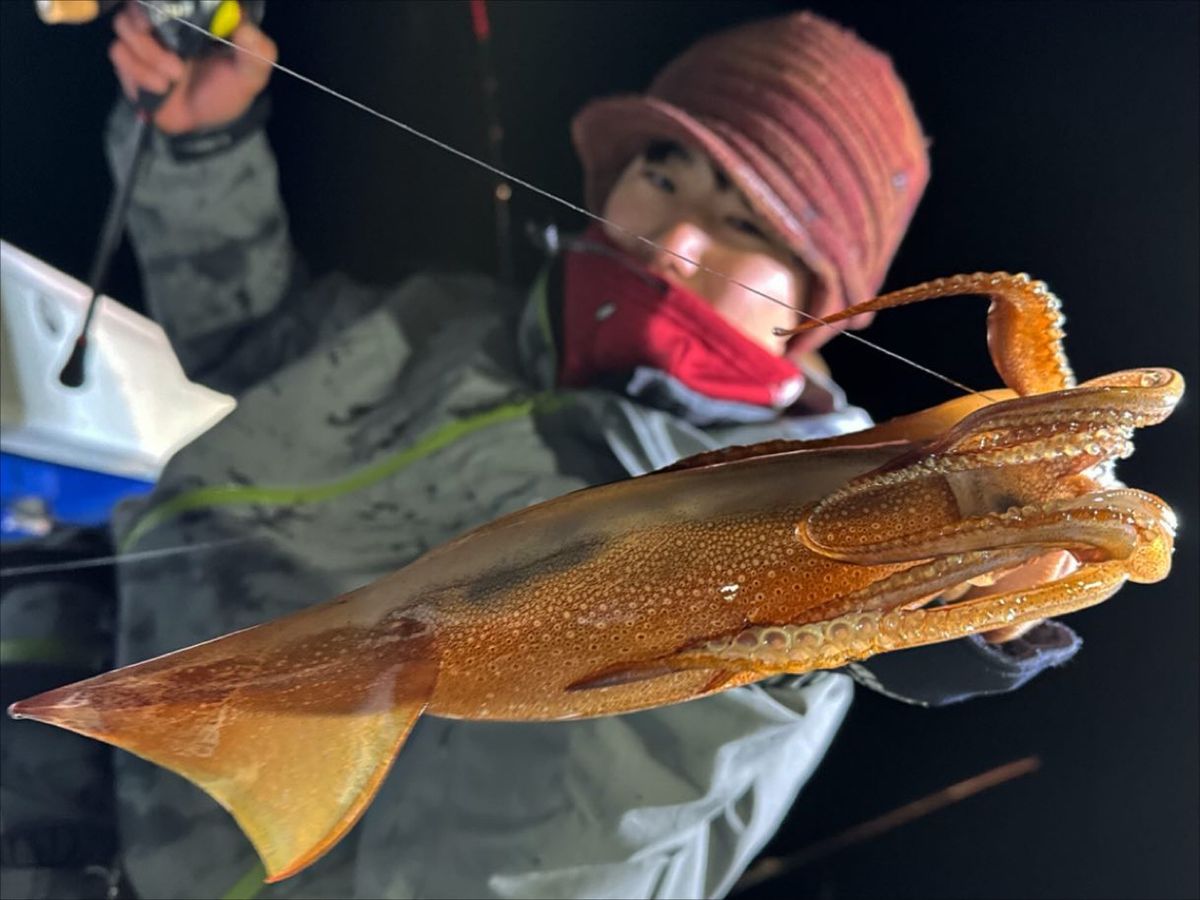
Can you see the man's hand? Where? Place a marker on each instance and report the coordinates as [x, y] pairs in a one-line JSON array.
[[204, 93], [1041, 570]]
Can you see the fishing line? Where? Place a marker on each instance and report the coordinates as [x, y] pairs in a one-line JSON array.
[[495, 170], [137, 556], [574, 207]]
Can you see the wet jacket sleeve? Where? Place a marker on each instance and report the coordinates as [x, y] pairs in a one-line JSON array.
[[950, 672], [219, 269]]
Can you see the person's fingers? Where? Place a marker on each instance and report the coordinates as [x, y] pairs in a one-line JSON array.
[[134, 73], [255, 69], [147, 49], [1041, 570], [128, 88], [136, 14], [1010, 632]]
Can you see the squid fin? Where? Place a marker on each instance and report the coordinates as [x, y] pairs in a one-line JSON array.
[[291, 725]]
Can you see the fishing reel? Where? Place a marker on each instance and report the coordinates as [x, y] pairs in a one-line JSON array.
[[170, 18]]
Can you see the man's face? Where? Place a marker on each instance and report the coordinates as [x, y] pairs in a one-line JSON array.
[[677, 198]]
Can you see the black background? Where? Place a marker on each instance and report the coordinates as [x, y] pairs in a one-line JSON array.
[[1064, 144]]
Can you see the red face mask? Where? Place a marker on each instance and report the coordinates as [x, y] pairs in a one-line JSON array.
[[618, 316]]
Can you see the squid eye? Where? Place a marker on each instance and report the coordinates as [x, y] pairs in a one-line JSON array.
[[660, 181]]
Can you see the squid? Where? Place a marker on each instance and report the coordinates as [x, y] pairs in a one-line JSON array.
[[721, 570]]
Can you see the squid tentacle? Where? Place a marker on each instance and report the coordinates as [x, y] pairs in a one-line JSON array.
[[884, 622], [1129, 534], [1024, 325], [1054, 447]]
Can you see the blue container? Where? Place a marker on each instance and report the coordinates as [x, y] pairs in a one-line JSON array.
[[35, 493]]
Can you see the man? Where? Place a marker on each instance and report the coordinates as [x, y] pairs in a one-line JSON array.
[[770, 169]]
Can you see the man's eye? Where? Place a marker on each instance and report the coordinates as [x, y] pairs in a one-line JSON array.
[[660, 181], [744, 226]]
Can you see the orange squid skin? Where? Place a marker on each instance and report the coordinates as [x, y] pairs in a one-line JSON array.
[[728, 568], [640, 569], [292, 725]]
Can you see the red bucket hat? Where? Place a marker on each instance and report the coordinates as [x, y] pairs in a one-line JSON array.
[[811, 123]]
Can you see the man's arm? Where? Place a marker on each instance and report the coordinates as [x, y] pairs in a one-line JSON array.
[[212, 238], [206, 219]]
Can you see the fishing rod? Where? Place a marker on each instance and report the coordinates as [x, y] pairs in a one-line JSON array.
[[481, 27], [183, 27]]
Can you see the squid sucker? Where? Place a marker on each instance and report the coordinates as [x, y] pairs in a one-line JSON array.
[[721, 570]]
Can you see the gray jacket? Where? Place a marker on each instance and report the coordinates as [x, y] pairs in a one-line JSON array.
[[371, 426]]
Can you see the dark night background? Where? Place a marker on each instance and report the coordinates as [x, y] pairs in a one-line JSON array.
[[1064, 144]]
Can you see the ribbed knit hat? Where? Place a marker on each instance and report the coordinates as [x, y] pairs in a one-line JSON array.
[[811, 123]]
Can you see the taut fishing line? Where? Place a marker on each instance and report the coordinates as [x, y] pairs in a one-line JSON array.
[[495, 170], [137, 556], [562, 201]]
